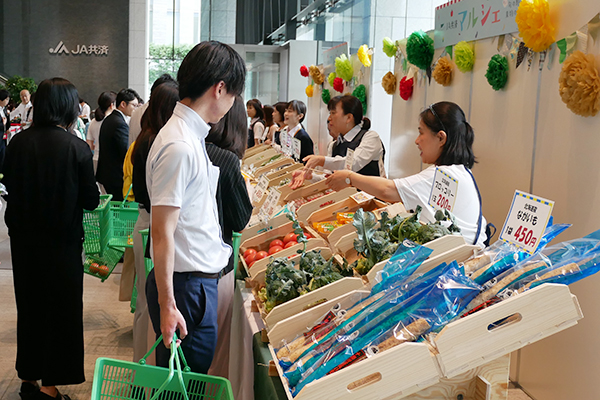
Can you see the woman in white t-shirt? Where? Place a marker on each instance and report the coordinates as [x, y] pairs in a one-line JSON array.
[[445, 140], [106, 105]]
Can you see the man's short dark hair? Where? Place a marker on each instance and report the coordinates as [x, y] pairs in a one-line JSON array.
[[207, 64], [126, 95], [160, 80], [56, 103], [4, 94]]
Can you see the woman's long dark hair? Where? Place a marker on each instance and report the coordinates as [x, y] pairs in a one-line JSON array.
[[160, 108], [268, 111], [231, 132], [56, 103], [351, 105], [257, 105], [450, 118], [104, 101]]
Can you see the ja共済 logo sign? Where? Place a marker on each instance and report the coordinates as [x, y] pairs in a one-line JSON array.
[[91, 49]]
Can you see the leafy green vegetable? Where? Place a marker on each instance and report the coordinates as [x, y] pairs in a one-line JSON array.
[[283, 282], [270, 160]]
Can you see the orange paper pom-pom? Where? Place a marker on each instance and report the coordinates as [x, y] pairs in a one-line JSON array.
[[442, 72], [579, 84]]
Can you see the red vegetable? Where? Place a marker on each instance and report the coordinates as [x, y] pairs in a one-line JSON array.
[[249, 251], [260, 255], [290, 244], [290, 236], [276, 242], [275, 249], [250, 257]]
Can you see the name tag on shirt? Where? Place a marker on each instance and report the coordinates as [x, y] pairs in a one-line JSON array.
[[349, 159], [443, 191], [296, 146]]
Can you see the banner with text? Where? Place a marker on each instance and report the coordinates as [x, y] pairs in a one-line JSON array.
[[468, 20]]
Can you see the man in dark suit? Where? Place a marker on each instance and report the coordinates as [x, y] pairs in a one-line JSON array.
[[114, 137]]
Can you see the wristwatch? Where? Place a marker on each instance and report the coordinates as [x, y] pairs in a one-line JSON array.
[[348, 181]]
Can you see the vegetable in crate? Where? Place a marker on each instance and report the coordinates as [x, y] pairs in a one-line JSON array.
[[372, 244], [283, 283]]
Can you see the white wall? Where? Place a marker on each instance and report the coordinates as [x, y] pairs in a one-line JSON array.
[[558, 161], [138, 47]]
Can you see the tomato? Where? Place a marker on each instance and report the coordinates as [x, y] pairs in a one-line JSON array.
[[250, 257], [275, 249], [94, 268], [249, 251], [308, 235], [290, 236], [103, 271], [290, 244], [276, 242], [260, 255], [251, 264]]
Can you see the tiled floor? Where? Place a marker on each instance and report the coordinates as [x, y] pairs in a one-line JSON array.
[[107, 324]]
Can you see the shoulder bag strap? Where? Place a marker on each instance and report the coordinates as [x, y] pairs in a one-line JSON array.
[[480, 210]]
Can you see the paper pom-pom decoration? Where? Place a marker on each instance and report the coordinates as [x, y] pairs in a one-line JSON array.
[[579, 84], [330, 78], [535, 27], [406, 88], [364, 56], [326, 96], [338, 85], [361, 93], [419, 49], [316, 75], [464, 56], [389, 83], [343, 68], [304, 71], [389, 47], [442, 73], [310, 90], [497, 72]]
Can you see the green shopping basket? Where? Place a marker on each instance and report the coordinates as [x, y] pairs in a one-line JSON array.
[[97, 227], [101, 266], [126, 380], [236, 250], [147, 263]]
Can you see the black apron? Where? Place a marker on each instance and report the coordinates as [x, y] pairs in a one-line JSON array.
[[251, 132], [341, 149]]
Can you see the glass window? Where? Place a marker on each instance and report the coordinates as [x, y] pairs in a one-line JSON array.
[[262, 79]]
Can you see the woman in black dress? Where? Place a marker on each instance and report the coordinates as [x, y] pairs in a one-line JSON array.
[[50, 181]]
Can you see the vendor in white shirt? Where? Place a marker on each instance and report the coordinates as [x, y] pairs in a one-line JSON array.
[[350, 131], [445, 141], [24, 110]]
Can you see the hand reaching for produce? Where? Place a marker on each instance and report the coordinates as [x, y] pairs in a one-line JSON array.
[[339, 180], [171, 319], [298, 177]]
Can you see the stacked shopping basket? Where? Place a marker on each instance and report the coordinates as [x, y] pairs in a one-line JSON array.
[[108, 231]]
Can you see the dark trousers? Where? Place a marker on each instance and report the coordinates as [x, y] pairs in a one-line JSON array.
[[196, 299], [49, 295]]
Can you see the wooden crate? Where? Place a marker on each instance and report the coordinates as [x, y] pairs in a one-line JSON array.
[[304, 211], [254, 150], [470, 357], [290, 168], [260, 157], [280, 162], [308, 300], [263, 227]]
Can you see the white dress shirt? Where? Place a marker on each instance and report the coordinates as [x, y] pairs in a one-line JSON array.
[[85, 111], [22, 112], [135, 124], [259, 129], [93, 134], [369, 149], [180, 174]]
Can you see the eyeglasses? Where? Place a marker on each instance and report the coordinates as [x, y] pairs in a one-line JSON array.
[[436, 117]]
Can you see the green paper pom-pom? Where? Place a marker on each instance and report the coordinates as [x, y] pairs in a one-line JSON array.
[[361, 93], [464, 56], [326, 96], [497, 72], [419, 49], [343, 68], [389, 47], [330, 78]]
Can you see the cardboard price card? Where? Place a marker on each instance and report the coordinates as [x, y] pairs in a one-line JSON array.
[[268, 208], [443, 191], [260, 189], [526, 221], [296, 145], [349, 159]]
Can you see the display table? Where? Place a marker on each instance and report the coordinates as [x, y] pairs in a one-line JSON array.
[[265, 386]]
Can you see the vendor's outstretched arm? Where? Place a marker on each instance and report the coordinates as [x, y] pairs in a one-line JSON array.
[[382, 188]]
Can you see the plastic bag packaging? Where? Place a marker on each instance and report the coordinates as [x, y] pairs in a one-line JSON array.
[[407, 258], [547, 259], [433, 307]]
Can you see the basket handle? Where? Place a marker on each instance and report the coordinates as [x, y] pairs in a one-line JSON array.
[[173, 359], [127, 196], [186, 368]]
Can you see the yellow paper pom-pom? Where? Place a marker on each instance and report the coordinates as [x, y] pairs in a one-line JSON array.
[[364, 56], [442, 72], [389, 83], [330, 78], [310, 90], [535, 27], [316, 74], [464, 56], [579, 84]]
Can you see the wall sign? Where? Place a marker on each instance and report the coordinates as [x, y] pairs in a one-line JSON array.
[[92, 49], [468, 20], [526, 221]]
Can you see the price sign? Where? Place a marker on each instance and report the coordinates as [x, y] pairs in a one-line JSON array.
[[526, 221], [296, 145], [443, 191], [260, 189], [268, 207], [349, 159]]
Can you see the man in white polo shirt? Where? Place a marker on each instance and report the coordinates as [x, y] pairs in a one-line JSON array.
[[186, 244]]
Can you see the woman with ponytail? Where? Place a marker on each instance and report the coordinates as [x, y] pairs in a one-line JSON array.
[[445, 141], [106, 104], [350, 130]]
